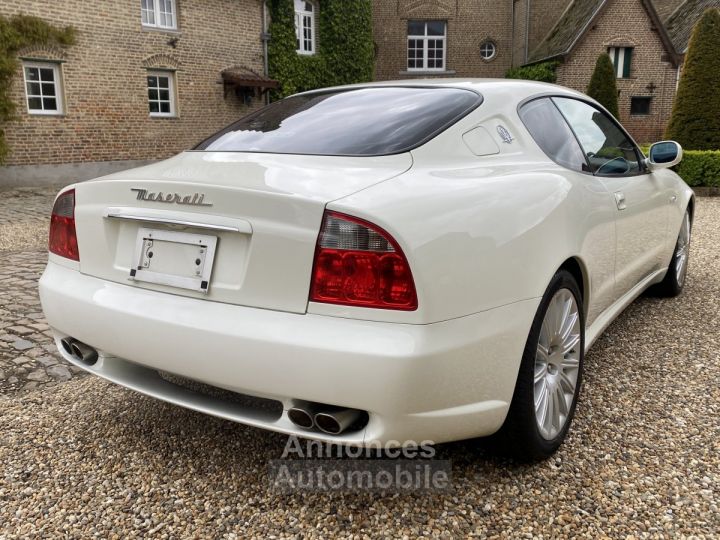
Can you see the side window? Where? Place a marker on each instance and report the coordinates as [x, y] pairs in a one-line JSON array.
[[608, 150], [552, 134]]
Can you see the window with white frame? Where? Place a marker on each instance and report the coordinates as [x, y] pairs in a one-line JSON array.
[[621, 58], [158, 13], [305, 26], [426, 45], [42, 88], [161, 93]]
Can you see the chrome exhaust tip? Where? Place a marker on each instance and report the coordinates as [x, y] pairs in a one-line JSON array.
[[300, 418], [303, 415], [78, 350], [334, 422], [67, 345]]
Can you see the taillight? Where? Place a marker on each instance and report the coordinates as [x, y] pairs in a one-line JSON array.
[[359, 264], [63, 240]]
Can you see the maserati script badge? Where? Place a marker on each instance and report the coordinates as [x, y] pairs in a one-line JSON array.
[[196, 199]]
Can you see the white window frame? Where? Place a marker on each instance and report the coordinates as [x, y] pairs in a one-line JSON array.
[[152, 9], [425, 39], [57, 82], [302, 15], [622, 57], [488, 43], [170, 76]]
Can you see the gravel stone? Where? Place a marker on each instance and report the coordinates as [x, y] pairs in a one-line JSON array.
[[23, 344], [85, 458], [38, 375], [59, 373]]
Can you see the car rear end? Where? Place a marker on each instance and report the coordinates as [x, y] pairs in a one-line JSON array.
[[195, 281]]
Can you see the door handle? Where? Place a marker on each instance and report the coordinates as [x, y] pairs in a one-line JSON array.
[[620, 200]]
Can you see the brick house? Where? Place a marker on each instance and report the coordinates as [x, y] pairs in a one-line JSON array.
[[146, 79], [484, 38], [645, 60]]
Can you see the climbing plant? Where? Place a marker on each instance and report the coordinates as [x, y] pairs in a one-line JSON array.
[[16, 33], [344, 46]]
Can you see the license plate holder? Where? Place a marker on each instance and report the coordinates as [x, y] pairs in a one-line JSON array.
[[177, 259]]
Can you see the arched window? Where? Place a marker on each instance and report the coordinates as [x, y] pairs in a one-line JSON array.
[[305, 26]]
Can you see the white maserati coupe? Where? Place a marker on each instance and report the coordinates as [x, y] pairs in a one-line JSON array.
[[398, 261]]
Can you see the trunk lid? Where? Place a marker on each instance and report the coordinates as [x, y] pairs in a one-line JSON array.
[[265, 211]]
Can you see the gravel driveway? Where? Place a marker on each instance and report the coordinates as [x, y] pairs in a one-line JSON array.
[[86, 458]]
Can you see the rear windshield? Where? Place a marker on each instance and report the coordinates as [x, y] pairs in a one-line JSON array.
[[356, 122]]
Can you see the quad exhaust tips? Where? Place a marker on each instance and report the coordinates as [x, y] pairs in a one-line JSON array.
[[78, 350], [328, 419]]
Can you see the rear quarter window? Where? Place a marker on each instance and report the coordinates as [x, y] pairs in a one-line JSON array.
[[552, 134], [354, 122]]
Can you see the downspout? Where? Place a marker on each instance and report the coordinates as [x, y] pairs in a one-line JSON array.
[[512, 33], [264, 38], [528, 7]]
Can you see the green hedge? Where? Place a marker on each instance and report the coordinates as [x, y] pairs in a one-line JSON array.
[[699, 168], [543, 72]]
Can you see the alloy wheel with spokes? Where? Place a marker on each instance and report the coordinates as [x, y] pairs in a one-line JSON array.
[[682, 249], [676, 275], [557, 364], [550, 374]]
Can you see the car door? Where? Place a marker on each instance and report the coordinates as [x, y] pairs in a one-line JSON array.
[[640, 197]]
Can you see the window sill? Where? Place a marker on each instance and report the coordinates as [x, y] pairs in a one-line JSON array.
[[428, 73], [173, 31], [163, 116], [44, 114]]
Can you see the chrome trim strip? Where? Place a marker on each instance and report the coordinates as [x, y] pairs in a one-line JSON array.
[[171, 221]]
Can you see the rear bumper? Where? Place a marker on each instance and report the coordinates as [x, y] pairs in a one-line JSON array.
[[444, 381]]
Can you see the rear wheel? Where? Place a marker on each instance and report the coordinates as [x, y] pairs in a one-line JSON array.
[[674, 281], [550, 374]]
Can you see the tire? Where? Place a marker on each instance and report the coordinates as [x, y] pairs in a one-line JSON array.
[[524, 435], [674, 280]]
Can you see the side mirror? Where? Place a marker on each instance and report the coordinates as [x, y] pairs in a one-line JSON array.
[[664, 154]]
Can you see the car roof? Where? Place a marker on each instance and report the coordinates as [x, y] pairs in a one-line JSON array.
[[517, 88]]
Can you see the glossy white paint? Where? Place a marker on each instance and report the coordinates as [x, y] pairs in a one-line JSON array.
[[485, 224]]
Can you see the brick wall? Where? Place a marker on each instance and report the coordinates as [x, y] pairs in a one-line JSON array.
[[104, 75], [519, 32], [469, 24], [626, 23]]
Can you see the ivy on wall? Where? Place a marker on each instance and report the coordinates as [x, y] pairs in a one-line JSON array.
[[344, 46], [17, 33]]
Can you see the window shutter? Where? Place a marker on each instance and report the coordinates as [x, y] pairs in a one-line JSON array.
[[626, 64]]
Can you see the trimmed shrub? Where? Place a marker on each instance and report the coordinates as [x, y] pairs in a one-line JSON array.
[[543, 72], [695, 120], [603, 87], [700, 168], [15, 33], [345, 47]]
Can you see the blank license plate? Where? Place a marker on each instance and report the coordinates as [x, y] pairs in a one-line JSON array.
[[177, 259]]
